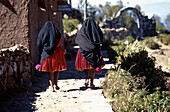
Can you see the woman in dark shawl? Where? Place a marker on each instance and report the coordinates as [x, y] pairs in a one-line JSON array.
[[89, 57], [52, 59]]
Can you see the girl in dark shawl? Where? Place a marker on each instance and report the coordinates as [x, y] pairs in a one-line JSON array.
[[52, 59], [89, 57]]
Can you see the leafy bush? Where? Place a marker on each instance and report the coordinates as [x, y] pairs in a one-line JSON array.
[[160, 28], [118, 46], [70, 25], [164, 38], [130, 39], [122, 88], [140, 64], [132, 84], [117, 42], [151, 43], [118, 81], [114, 47], [107, 45]]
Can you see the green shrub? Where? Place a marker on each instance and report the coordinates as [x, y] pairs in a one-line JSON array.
[[138, 63], [160, 28], [132, 84], [164, 38], [118, 81], [122, 88], [70, 25], [114, 48], [130, 39], [151, 43], [117, 42], [118, 46]]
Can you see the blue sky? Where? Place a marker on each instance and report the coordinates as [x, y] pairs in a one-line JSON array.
[[150, 7]]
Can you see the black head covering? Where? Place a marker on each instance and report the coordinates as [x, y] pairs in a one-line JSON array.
[[89, 39], [90, 35], [48, 39]]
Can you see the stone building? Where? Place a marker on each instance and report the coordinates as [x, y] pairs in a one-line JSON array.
[[21, 21], [146, 26]]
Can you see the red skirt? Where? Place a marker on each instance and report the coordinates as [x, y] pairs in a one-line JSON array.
[[55, 62], [81, 63]]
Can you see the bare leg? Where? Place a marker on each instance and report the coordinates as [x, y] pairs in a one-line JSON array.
[[51, 80], [86, 73], [56, 74], [92, 75]]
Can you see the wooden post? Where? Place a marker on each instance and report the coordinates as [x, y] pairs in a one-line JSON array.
[[70, 3], [85, 9]]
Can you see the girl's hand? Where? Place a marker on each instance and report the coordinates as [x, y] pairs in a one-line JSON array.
[[64, 51], [37, 66], [99, 71]]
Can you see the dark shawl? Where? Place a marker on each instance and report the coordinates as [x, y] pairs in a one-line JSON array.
[[48, 39], [89, 39]]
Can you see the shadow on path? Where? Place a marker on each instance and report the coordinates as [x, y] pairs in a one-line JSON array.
[[83, 89], [23, 100]]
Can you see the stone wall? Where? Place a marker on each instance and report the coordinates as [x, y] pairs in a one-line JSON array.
[[108, 34], [15, 68], [113, 33], [146, 26]]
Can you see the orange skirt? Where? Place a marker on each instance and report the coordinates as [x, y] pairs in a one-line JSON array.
[[81, 63], [55, 62]]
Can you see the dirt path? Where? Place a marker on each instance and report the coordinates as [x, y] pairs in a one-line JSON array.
[[163, 61], [162, 58], [72, 97]]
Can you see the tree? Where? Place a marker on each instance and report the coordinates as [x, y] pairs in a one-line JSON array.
[[138, 7], [157, 19], [106, 8], [113, 10], [167, 21], [86, 9], [120, 3], [129, 20], [80, 6], [159, 25], [91, 11], [109, 10]]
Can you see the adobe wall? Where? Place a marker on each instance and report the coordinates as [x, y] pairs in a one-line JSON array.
[[24, 26], [20, 23], [14, 27]]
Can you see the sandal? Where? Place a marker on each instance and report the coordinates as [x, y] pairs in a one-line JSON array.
[[86, 83], [56, 88], [51, 89], [92, 86]]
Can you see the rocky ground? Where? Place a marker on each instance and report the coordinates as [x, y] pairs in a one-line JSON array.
[[72, 96], [162, 57], [163, 61]]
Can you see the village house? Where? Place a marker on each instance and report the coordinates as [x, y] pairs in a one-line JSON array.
[[20, 23]]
